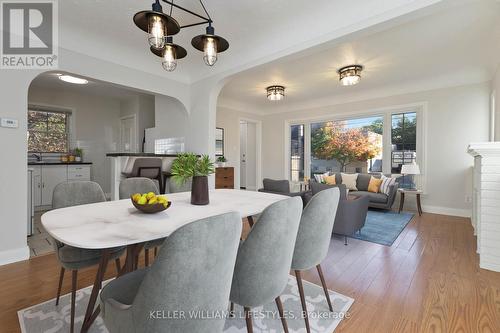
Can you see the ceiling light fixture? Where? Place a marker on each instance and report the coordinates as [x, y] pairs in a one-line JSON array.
[[161, 27], [275, 93], [350, 75], [72, 79]]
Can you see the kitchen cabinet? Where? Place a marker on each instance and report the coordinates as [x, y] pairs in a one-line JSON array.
[[51, 176], [37, 185], [47, 176]]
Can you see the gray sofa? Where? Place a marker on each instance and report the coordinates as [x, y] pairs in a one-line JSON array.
[[279, 187], [375, 200]]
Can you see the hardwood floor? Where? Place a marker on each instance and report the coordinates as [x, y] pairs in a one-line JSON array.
[[427, 281]]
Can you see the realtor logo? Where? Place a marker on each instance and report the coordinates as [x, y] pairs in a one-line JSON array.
[[29, 34]]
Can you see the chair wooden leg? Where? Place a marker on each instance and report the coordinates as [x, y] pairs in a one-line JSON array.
[[118, 266], [156, 252], [61, 278], [74, 276], [302, 300], [146, 257], [231, 310], [248, 318], [282, 315], [250, 221], [325, 289]]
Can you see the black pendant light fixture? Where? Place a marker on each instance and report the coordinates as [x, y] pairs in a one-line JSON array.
[[161, 27]]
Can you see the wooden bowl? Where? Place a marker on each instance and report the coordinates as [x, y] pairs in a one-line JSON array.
[[151, 209]]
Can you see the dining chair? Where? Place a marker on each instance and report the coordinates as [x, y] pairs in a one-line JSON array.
[[313, 240], [75, 193], [264, 259], [130, 186], [191, 275]]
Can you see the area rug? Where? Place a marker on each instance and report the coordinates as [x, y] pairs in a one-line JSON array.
[[47, 318], [383, 227]]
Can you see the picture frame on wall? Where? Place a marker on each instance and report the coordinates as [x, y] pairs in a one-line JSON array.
[[219, 141]]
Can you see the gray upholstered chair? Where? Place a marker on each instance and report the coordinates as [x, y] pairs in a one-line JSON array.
[[141, 185], [77, 193], [265, 256], [192, 273], [313, 240], [351, 214]]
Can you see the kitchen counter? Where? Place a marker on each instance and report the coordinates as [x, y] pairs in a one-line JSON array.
[[140, 155], [59, 163]]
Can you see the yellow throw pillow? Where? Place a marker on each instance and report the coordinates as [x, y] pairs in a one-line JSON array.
[[374, 184], [330, 180]]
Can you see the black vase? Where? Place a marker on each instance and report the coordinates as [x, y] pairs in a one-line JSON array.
[[199, 190]]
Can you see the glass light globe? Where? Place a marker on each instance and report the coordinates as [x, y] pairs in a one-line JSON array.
[[157, 31], [210, 51], [169, 61]]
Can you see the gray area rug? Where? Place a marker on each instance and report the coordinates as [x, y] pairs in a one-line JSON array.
[[47, 318]]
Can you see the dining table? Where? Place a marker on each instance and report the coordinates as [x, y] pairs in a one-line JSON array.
[[112, 224]]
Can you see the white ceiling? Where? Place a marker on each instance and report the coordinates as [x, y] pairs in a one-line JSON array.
[[445, 48], [255, 29], [50, 80]]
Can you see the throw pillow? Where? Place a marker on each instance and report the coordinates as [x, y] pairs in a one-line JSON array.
[[349, 180], [330, 180], [374, 185], [320, 177], [386, 183]]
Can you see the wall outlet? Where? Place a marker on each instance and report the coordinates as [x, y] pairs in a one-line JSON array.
[[9, 123]]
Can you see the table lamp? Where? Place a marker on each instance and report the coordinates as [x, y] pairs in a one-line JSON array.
[[410, 169]]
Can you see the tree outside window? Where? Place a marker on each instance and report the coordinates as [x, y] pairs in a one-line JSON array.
[[47, 132]]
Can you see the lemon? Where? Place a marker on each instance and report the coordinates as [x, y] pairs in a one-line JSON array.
[[142, 200], [152, 201], [136, 197], [161, 199], [150, 195]]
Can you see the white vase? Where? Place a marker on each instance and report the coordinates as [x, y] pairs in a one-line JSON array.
[[78, 158]]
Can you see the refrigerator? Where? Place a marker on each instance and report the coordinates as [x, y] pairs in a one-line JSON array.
[[31, 204]]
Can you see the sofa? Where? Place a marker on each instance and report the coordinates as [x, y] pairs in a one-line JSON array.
[[375, 200]]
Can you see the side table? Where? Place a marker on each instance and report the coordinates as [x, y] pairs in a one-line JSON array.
[[403, 193]]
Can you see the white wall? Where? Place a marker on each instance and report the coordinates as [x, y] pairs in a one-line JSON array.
[[455, 117], [95, 125], [143, 107], [171, 121], [495, 90], [229, 120]]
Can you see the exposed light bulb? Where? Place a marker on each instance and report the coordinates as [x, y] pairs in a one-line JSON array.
[[157, 31], [169, 61], [210, 51]]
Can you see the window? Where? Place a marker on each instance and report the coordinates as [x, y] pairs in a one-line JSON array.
[[403, 144], [347, 145], [297, 162], [47, 132]]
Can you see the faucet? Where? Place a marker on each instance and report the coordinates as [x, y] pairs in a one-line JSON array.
[[37, 156]]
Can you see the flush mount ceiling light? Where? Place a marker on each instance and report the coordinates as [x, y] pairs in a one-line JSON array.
[[161, 27], [350, 75], [275, 93], [72, 79]]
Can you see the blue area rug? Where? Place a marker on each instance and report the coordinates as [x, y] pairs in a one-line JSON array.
[[383, 227]]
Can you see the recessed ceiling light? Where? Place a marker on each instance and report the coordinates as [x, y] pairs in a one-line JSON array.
[[275, 93], [73, 79], [350, 75]]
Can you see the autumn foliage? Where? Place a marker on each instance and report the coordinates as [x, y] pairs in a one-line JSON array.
[[345, 145]]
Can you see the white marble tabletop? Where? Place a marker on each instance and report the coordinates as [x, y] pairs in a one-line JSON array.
[[119, 223]]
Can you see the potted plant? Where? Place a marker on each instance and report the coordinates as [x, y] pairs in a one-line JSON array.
[[78, 154], [191, 166], [221, 161]]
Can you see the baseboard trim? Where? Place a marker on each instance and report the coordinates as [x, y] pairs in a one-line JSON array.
[[14, 255], [490, 266], [447, 211]]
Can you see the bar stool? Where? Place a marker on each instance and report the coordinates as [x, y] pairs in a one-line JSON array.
[[147, 167]]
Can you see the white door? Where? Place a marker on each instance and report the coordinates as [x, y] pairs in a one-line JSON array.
[[243, 153], [52, 175], [128, 134]]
